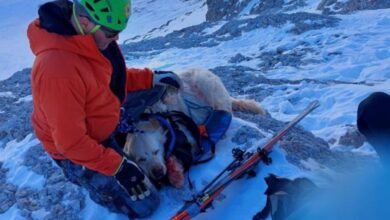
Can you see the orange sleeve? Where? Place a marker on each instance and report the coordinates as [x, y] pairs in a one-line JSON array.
[[139, 79], [63, 102]]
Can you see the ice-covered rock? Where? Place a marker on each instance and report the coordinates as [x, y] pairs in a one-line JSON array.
[[197, 36], [225, 10], [348, 6], [15, 117], [352, 138]]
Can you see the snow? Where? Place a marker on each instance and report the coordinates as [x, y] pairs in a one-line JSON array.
[[214, 28], [15, 52], [157, 18], [211, 57], [12, 213], [248, 7], [95, 211], [24, 99], [311, 6], [355, 55], [364, 57], [6, 94], [20, 175]]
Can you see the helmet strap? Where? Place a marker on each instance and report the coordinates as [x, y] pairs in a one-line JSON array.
[[76, 20], [94, 29], [81, 30]]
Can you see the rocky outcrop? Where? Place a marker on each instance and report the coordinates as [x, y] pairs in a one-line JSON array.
[[348, 6], [222, 9], [15, 107], [195, 36], [225, 10], [352, 137], [7, 192]]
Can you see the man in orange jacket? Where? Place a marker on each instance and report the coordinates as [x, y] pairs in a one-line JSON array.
[[79, 81]]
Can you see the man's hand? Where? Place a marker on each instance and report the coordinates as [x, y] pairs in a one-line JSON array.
[[131, 178], [166, 78]]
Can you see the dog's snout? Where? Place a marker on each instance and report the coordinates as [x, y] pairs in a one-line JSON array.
[[158, 172]]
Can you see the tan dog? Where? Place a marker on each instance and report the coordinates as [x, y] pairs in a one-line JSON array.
[[200, 87]]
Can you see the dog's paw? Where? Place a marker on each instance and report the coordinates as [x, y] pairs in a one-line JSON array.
[[175, 172]]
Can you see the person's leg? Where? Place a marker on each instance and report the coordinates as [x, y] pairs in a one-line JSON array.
[[373, 121], [105, 191]]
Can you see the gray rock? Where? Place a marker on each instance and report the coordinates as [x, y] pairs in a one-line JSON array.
[[7, 196], [39, 162], [342, 7], [293, 58], [246, 136], [15, 120], [352, 138], [7, 192], [27, 199], [225, 10], [239, 58], [222, 9]]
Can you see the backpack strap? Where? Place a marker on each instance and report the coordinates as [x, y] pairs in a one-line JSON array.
[[211, 131], [177, 143], [165, 123]]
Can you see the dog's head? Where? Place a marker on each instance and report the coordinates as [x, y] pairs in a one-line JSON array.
[[146, 148]]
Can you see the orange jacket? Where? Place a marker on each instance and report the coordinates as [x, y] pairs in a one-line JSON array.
[[74, 108]]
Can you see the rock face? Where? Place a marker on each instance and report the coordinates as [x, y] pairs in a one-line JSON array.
[[15, 117], [222, 9], [225, 10], [343, 7], [7, 192], [352, 138]]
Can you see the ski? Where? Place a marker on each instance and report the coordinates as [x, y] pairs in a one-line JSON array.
[[238, 167]]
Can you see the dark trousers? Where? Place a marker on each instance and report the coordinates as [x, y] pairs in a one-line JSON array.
[[373, 121], [106, 191]]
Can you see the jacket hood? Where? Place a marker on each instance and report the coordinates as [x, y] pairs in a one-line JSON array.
[[54, 31]]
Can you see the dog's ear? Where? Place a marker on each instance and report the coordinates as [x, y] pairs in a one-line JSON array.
[[150, 125], [154, 124], [129, 142]]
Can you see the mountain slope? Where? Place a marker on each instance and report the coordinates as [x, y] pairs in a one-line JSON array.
[[281, 53]]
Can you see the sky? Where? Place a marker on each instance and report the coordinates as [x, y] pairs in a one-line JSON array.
[[15, 15]]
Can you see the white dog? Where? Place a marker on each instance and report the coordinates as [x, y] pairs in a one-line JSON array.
[[200, 87]]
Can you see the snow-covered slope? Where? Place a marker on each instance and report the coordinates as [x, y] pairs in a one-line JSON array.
[[281, 53]]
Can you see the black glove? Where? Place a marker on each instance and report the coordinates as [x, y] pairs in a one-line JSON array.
[[131, 178], [166, 78]]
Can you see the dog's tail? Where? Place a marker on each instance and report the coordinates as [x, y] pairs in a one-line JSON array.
[[245, 105]]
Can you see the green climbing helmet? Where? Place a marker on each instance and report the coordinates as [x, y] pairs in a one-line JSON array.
[[113, 14]]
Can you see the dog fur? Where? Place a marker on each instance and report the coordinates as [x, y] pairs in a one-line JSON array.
[[199, 86]]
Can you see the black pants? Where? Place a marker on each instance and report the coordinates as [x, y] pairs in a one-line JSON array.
[[373, 121]]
